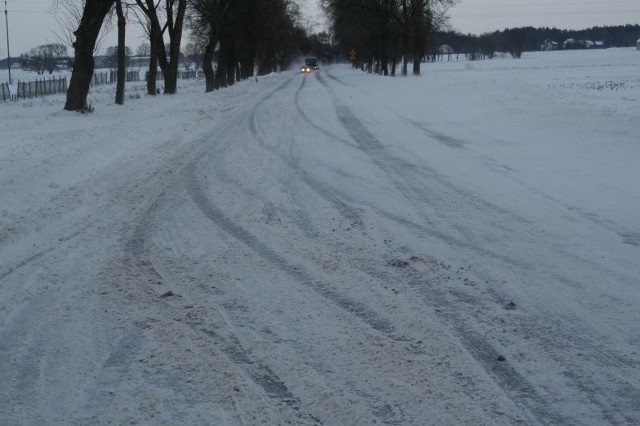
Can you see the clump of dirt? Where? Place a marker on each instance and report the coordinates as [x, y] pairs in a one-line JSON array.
[[398, 263], [511, 306]]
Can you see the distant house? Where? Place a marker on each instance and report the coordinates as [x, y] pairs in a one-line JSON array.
[[588, 44], [445, 49], [549, 45], [139, 61], [572, 43]]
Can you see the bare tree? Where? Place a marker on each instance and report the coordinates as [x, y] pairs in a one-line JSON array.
[[418, 17], [382, 30], [68, 15], [86, 35], [149, 49], [143, 50], [122, 52], [193, 53], [247, 34], [46, 57], [174, 11], [206, 24], [111, 56]]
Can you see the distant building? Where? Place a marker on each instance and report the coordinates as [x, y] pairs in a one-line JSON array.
[[571, 43], [445, 49], [638, 44], [139, 61], [549, 45]]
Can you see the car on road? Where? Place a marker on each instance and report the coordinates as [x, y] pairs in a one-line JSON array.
[[310, 64]]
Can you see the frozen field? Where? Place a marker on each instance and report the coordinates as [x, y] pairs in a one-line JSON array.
[[335, 248]]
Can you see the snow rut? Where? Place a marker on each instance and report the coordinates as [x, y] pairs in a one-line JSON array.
[[318, 282], [200, 197], [604, 395]]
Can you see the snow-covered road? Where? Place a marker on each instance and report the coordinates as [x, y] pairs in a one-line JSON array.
[[332, 248]]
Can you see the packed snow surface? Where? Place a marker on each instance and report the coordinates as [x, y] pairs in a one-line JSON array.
[[334, 248]]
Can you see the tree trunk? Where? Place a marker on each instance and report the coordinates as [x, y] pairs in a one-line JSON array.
[[174, 27], [405, 37], [416, 65], [221, 72], [231, 64], [419, 27], [207, 62], [152, 75], [121, 54], [157, 40], [86, 35], [170, 74]]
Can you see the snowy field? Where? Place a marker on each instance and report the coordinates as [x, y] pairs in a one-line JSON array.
[[335, 248]]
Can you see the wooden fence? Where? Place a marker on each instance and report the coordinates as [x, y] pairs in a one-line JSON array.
[[100, 79], [182, 75], [111, 77], [6, 95], [129, 76], [190, 75], [36, 88], [55, 85]]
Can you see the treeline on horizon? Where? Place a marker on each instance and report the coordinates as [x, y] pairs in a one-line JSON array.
[[528, 39]]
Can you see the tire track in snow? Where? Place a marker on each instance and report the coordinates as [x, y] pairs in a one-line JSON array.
[[554, 334], [507, 379], [261, 374], [209, 209], [614, 398], [385, 412], [628, 237], [138, 258], [301, 216], [142, 248], [138, 262], [330, 195], [406, 181], [272, 384], [202, 201], [290, 185], [309, 121], [139, 277]]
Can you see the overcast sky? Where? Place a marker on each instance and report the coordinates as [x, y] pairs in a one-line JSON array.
[[32, 22]]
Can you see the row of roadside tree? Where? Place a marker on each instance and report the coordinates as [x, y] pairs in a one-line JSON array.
[[382, 34], [247, 36]]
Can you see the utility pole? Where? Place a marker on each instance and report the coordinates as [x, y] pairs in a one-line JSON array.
[[6, 19]]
